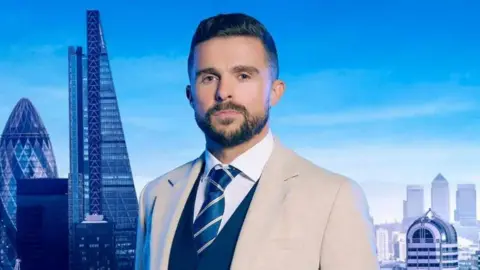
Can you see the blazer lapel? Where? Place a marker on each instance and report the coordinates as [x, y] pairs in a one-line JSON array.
[[164, 227], [264, 208]]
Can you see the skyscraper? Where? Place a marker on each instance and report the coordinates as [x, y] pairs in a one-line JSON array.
[[441, 197], [414, 205], [95, 244], [76, 197], [42, 223], [432, 244], [383, 244], [466, 210], [109, 189], [25, 153]]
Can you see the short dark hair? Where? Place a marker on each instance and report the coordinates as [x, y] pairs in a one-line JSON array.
[[233, 25]]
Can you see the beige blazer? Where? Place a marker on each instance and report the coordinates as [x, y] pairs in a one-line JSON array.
[[302, 217]]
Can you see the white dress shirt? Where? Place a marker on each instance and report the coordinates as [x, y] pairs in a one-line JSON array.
[[250, 163]]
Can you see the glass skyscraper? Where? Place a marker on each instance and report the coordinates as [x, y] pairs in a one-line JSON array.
[[25, 153], [107, 177], [466, 201], [77, 133]]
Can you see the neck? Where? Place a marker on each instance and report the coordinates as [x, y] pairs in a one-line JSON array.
[[227, 154]]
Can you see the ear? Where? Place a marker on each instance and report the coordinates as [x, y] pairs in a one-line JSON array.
[[278, 88], [188, 93]]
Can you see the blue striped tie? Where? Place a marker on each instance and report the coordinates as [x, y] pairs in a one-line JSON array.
[[207, 223]]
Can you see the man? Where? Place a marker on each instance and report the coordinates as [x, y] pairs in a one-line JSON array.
[[247, 203]]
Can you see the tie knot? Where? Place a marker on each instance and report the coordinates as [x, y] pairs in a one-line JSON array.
[[220, 177]]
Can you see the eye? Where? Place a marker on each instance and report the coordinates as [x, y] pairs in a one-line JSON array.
[[244, 76], [208, 78]]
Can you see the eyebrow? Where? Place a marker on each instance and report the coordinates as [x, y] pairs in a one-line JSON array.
[[208, 70], [248, 69], [235, 69]]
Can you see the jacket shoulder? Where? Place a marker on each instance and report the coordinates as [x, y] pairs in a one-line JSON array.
[[151, 188], [317, 174], [315, 180]]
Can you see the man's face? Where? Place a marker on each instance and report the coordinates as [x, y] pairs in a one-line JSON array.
[[232, 89]]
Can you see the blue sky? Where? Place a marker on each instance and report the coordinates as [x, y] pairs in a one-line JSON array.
[[385, 93]]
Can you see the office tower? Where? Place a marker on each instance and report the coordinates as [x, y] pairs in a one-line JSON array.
[[432, 244], [399, 246], [76, 194], [383, 244], [42, 222], [466, 210], [107, 176], [414, 205], [25, 153], [95, 244], [440, 197], [112, 192]]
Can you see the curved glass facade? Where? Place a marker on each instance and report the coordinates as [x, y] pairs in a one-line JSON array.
[[25, 152], [446, 229]]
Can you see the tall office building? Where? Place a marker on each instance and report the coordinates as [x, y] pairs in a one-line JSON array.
[[399, 246], [440, 197], [25, 153], [414, 205], [383, 244], [466, 210], [95, 244], [107, 176], [42, 223], [432, 244], [76, 186]]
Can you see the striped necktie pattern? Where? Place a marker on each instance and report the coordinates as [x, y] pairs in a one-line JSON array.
[[207, 223]]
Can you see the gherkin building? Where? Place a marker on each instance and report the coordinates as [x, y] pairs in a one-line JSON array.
[[25, 153]]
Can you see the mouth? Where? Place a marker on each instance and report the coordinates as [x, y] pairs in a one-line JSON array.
[[225, 113]]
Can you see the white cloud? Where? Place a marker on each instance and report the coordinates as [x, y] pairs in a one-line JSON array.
[[151, 70], [153, 124], [383, 113]]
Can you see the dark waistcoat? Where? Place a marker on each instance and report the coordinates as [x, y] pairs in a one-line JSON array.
[[219, 255]]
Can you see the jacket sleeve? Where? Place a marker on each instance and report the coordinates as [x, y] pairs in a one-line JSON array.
[[141, 229], [349, 241]]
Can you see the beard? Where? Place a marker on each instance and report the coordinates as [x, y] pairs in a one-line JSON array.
[[251, 125]]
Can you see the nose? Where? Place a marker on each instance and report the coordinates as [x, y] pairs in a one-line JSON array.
[[224, 91]]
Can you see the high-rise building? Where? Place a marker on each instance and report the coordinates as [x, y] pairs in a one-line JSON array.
[[25, 153], [399, 246], [440, 197], [383, 244], [95, 244], [432, 244], [107, 177], [42, 223], [76, 186], [414, 206], [466, 210]]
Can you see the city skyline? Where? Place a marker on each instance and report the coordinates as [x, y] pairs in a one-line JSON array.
[[385, 106]]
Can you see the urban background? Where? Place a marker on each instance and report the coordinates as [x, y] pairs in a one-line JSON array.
[[385, 94]]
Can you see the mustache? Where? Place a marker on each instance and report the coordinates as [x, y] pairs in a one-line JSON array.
[[227, 106]]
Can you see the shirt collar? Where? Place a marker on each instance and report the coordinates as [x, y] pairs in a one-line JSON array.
[[250, 163]]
